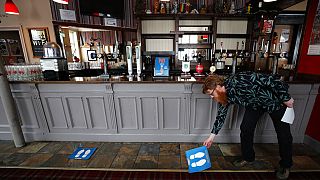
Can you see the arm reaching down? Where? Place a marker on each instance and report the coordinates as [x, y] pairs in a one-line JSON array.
[[221, 117], [222, 113], [208, 142]]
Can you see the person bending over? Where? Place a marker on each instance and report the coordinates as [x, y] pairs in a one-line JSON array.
[[258, 93]]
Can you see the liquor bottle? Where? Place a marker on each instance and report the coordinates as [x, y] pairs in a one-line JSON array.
[[232, 8], [156, 7]]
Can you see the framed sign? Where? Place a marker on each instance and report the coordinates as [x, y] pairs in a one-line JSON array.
[[161, 66], [3, 48], [92, 55], [314, 42], [38, 37], [15, 47], [12, 45]]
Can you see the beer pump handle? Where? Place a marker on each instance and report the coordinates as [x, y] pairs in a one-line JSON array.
[[213, 53], [242, 47], [237, 48]]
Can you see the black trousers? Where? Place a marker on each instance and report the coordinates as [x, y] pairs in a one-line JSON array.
[[284, 136]]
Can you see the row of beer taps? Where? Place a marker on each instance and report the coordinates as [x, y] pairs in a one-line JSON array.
[[223, 55]]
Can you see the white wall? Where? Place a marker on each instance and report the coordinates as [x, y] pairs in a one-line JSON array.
[[33, 13]]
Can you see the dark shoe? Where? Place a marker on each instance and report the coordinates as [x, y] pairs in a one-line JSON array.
[[242, 163], [282, 173]]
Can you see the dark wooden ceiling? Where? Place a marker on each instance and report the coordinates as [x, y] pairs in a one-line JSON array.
[[276, 6]]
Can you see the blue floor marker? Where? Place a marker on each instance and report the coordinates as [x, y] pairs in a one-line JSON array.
[[82, 153], [198, 159]]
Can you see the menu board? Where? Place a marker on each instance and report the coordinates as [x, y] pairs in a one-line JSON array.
[[38, 37]]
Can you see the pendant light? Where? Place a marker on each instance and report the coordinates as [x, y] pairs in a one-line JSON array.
[[11, 8], [61, 1]]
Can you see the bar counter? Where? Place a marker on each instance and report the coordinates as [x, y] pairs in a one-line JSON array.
[[148, 79], [122, 109]]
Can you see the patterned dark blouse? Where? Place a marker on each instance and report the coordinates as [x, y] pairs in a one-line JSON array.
[[253, 90]]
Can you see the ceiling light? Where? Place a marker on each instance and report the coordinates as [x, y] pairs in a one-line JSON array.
[[61, 1], [269, 0], [10, 8]]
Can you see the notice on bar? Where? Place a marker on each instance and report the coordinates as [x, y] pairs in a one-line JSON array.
[[314, 50]]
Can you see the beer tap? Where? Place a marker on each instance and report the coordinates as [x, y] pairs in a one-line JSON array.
[[105, 74], [242, 48], [225, 55], [138, 58], [275, 60], [129, 57], [253, 53], [185, 67], [234, 60], [266, 54], [261, 49], [220, 54], [242, 55], [213, 67], [116, 47], [219, 63]]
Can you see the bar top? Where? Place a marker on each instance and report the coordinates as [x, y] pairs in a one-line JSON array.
[[144, 79]]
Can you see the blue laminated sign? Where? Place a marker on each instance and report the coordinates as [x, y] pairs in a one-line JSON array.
[[198, 159], [82, 153]]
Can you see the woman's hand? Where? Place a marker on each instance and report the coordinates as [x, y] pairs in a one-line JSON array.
[[289, 103], [208, 142]]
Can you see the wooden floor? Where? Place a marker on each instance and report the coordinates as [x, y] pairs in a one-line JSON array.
[[166, 157]]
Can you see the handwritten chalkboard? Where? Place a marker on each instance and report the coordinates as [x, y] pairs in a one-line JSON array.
[[38, 37]]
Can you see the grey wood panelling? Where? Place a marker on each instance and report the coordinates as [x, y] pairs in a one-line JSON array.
[[172, 109], [97, 113], [314, 92], [203, 111], [149, 113], [145, 88], [76, 113], [133, 112], [127, 113], [55, 113], [30, 114], [26, 109], [81, 109], [3, 118], [300, 103]]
